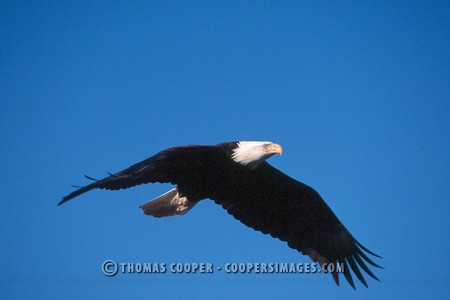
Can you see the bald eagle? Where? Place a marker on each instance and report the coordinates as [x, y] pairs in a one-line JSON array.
[[236, 176]]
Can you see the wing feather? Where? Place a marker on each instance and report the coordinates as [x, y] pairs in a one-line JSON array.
[[179, 165], [271, 202]]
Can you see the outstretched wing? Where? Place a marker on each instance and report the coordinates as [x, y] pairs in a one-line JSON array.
[[185, 165], [273, 203]]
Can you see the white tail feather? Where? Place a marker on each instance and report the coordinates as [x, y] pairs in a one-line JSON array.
[[168, 204]]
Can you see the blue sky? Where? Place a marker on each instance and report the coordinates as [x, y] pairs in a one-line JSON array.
[[357, 92]]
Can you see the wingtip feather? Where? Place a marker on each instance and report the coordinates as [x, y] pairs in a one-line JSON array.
[[367, 250], [347, 274], [356, 270]]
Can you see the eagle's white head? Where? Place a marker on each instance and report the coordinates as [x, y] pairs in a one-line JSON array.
[[251, 154]]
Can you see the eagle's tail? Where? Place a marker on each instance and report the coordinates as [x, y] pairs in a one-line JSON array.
[[169, 204]]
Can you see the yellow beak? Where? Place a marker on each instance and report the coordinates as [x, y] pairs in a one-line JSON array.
[[275, 148]]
